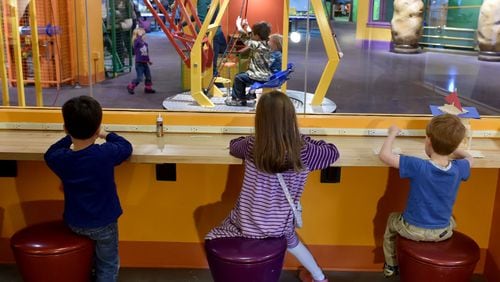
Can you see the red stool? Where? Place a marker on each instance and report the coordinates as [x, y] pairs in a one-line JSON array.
[[246, 260], [50, 252], [452, 260]]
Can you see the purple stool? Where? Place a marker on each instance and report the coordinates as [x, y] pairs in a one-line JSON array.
[[50, 251], [452, 260], [246, 260]]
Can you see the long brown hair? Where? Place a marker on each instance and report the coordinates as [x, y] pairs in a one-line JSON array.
[[277, 139]]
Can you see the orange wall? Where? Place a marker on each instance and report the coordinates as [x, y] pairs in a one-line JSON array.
[[492, 269], [96, 41], [258, 10], [164, 222], [351, 213]]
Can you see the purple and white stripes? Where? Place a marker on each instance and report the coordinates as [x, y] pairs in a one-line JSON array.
[[262, 209]]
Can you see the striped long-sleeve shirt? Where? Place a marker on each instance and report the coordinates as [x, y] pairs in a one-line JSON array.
[[262, 209]]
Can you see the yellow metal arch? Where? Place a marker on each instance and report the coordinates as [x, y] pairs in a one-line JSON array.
[[326, 35], [196, 60], [331, 53]]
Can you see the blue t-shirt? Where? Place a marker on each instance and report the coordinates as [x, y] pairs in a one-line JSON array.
[[275, 61], [433, 190], [90, 197]]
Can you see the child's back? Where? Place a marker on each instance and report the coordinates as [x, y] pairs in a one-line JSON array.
[[262, 209], [275, 45], [88, 179], [434, 185], [86, 170]]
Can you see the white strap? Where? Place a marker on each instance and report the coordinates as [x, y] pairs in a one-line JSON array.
[[287, 194]]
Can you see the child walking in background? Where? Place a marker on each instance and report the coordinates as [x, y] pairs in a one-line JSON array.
[[434, 185], [276, 47], [262, 209], [142, 62], [255, 39], [86, 170]]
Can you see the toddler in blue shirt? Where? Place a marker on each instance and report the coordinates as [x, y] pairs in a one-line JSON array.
[[86, 169]]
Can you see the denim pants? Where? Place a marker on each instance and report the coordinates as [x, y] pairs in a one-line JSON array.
[[397, 225], [241, 81], [219, 47], [142, 70], [106, 260]]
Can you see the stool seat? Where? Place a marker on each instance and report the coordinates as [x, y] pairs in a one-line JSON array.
[[246, 260], [50, 251], [48, 239], [243, 250], [452, 260]]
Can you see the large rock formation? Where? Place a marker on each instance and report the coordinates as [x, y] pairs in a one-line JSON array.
[[488, 31], [406, 25]]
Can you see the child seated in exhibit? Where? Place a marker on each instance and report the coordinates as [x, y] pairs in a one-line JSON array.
[[434, 184], [276, 46], [86, 170], [256, 39], [277, 160]]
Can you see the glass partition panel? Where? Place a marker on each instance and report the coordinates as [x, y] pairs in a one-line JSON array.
[[93, 54]]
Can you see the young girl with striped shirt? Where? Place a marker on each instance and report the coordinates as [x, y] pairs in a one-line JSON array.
[[262, 209]]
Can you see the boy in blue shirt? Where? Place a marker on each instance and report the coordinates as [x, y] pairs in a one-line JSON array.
[[276, 46], [86, 169], [434, 185]]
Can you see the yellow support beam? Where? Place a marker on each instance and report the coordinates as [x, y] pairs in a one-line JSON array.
[[331, 52], [35, 54], [17, 52], [3, 70], [195, 56]]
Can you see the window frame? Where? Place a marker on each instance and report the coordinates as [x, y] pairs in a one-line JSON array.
[[371, 22]]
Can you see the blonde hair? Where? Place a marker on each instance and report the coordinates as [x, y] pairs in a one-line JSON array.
[[278, 39], [138, 32]]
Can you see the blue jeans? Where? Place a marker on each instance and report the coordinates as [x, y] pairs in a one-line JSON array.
[[106, 260], [142, 70], [219, 47], [241, 81]]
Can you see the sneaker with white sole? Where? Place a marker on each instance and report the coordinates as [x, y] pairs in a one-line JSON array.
[[390, 270]]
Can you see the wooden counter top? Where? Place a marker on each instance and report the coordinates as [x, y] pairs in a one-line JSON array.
[[213, 148]]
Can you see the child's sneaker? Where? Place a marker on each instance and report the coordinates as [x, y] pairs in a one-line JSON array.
[[305, 276], [130, 89], [390, 270], [149, 90], [235, 102]]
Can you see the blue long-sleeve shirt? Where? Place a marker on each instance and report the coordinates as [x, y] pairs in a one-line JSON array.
[[90, 197]]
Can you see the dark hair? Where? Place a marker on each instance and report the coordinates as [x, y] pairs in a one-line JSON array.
[[262, 29], [445, 132], [277, 139], [82, 116]]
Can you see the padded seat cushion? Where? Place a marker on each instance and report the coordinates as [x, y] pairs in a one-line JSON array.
[[456, 251], [244, 250], [48, 238]]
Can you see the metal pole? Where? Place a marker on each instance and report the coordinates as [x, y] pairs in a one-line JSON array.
[[35, 54], [17, 54], [3, 70], [306, 53], [89, 63], [77, 83]]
